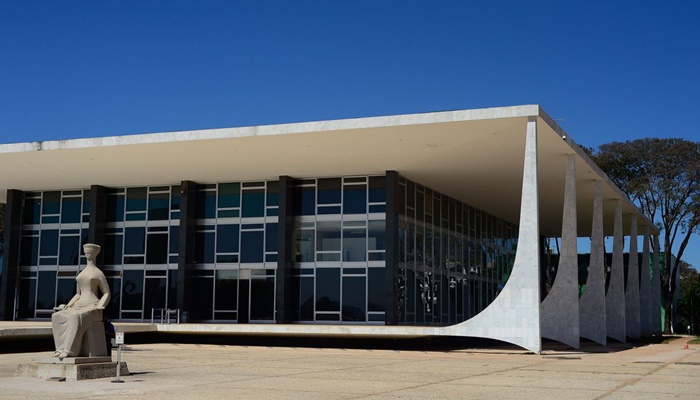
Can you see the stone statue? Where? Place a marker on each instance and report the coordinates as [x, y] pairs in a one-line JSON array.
[[77, 326]]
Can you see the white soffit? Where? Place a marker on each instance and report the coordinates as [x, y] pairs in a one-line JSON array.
[[475, 156]]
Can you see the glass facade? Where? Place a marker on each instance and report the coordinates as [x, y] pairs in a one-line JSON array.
[[452, 259]]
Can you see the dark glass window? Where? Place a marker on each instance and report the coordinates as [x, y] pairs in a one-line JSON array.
[[271, 237], [29, 250], [304, 246], [69, 251], [154, 294], [272, 193], [115, 208], [112, 252], [206, 204], [375, 286], [135, 240], [305, 200], [355, 199], [229, 195], [158, 206], [46, 293], [175, 197], [115, 290], [52, 203], [174, 239], [377, 189], [306, 298], [354, 299], [204, 247], [132, 290], [203, 287], [227, 238], [226, 290], [328, 235], [253, 203], [328, 289], [172, 289], [71, 210], [65, 290], [252, 246], [262, 299], [136, 199], [86, 202], [376, 235], [32, 211], [354, 244], [329, 191], [27, 293], [49, 242], [157, 250]]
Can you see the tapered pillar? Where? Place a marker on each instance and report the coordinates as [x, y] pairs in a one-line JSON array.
[[391, 269], [10, 257], [632, 286], [592, 301], [615, 296], [560, 309], [98, 216], [645, 288], [656, 324], [185, 260], [514, 316], [284, 298]]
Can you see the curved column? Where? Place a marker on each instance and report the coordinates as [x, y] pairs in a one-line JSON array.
[[560, 309], [514, 316], [645, 288], [656, 327], [615, 296], [632, 286], [592, 301]]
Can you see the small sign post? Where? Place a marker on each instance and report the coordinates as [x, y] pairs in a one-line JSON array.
[[119, 340]]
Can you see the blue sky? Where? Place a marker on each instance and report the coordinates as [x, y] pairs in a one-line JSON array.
[[606, 70]]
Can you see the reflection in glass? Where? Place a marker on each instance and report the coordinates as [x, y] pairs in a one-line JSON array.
[[262, 299], [226, 290], [132, 290], [252, 246], [46, 292], [354, 199], [328, 289], [354, 244], [354, 299], [71, 210], [253, 203], [49, 242], [69, 250]]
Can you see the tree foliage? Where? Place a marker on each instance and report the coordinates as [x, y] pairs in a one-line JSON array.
[[689, 304], [663, 177]]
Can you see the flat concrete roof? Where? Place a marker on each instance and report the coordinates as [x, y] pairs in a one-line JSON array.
[[475, 156]]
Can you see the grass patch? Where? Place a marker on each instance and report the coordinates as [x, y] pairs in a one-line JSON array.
[[694, 341]]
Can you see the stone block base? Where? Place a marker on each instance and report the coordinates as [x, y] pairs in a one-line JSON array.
[[72, 369]]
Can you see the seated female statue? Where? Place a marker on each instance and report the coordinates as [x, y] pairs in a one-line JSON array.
[[72, 320]]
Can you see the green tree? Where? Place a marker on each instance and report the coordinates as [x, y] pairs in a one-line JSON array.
[[662, 176], [689, 304]]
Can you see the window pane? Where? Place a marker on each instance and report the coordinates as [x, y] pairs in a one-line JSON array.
[[252, 247], [157, 251], [227, 238], [272, 193], [172, 289], [354, 199], [65, 290], [377, 191], [204, 247], [27, 292], [49, 242], [46, 290], [174, 239], [354, 299], [71, 210], [262, 299], [155, 292], [354, 244], [328, 235], [112, 253], [52, 203], [329, 191], [115, 208], [136, 199], [305, 200], [132, 290], [29, 251], [375, 284], [134, 242], [226, 290], [113, 309], [203, 301], [159, 206], [306, 298], [304, 245], [328, 289], [206, 204], [271, 237], [69, 252], [253, 203], [229, 195], [32, 211], [376, 235]]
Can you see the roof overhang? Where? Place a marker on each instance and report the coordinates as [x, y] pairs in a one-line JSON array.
[[475, 156]]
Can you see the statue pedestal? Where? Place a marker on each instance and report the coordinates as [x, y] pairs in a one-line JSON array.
[[72, 368]]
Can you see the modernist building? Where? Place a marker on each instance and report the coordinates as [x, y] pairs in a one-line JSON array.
[[425, 224]]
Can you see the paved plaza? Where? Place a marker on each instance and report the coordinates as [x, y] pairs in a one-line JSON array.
[[191, 371]]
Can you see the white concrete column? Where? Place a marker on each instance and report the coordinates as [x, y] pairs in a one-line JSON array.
[[656, 323], [645, 288], [632, 286], [560, 311], [615, 296], [514, 316], [592, 301]]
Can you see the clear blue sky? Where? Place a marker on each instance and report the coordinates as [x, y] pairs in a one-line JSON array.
[[607, 70]]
